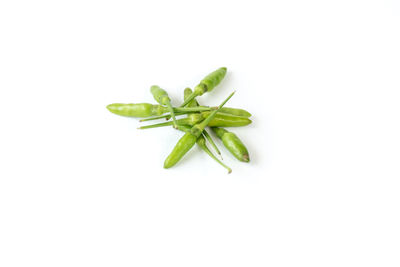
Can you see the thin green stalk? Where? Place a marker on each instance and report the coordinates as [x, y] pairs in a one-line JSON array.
[[202, 125], [211, 141], [194, 109], [171, 111], [168, 123], [201, 142], [161, 117]]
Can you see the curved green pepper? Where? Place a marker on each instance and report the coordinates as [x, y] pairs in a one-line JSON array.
[[184, 144], [233, 144]]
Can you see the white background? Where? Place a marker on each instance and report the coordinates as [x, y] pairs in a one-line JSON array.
[[80, 186]]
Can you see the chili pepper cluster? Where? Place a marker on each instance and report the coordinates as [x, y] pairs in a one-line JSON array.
[[197, 119]]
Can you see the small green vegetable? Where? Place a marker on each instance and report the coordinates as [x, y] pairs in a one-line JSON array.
[[236, 111], [233, 144], [143, 110], [161, 96], [223, 119], [219, 120], [207, 84], [189, 139], [139, 110]]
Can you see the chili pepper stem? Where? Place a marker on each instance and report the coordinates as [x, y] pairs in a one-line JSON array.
[[189, 98], [207, 150], [211, 141], [168, 123], [194, 109], [172, 115], [161, 117]]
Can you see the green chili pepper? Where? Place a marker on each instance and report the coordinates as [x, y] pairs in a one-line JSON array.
[[223, 119], [161, 96], [220, 120], [136, 110], [189, 139], [201, 142], [236, 111], [233, 144], [143, 110], [186, 93], [207, 84]]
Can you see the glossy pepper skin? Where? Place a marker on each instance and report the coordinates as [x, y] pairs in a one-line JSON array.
[[207, 84], [185, 143], [233, 144], [143, 110], [181, 148], [210, 81], [161, 96], [139, 110], [219, 120], [189, 138], [236, 111]]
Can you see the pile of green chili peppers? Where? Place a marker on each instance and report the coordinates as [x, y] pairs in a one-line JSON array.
[[197, 119]]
